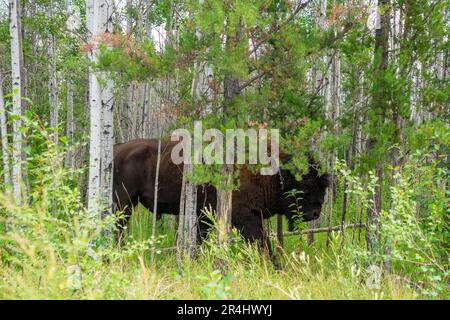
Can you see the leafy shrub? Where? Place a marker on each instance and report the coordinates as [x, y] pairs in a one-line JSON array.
[[413, 233], [51, 247], [416, 227]]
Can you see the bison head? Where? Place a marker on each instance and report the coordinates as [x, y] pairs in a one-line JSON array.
[[308, 197]]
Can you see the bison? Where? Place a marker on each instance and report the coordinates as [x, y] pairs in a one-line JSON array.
[[258, 196]]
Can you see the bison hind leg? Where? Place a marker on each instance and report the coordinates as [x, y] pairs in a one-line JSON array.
[[251, 227]]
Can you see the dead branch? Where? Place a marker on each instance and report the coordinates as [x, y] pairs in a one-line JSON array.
[[325, 229]]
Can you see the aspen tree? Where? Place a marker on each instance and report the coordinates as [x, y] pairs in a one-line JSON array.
[[16, 61]]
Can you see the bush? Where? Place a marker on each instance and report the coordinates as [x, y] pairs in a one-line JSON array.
[[413, 232], [416, 227]]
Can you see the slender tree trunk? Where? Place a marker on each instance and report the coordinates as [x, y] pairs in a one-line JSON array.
[[379, 104], [224, 193], [81, 158], [16, 67], [231, 90], [397, 115], [120, 121], [188, 210], [94, 145], [4, 135], [70, 156], [320, 79], [181, 231], [70, 125], [101, 112], [107, 138], [280, 230], [344, 197], [188, 207], [330, 194], [224, 202], [52, 82], [155, 202], [310, 236]]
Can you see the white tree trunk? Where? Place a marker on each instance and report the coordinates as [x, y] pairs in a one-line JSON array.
[[94, 145], [181, 230], [15, 34], [4, 134], [191, 215], [155, 202], [107, 138], [69, 125], [72, 25], [52, 81], [188, 214], [101, 112], [321, 79], [188, 207]]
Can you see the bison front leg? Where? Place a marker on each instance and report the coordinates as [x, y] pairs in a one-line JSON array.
[[122, 222], [123, 208], [251, 226], [203, 226]]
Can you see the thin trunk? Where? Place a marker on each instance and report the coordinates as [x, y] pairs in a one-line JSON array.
[[330, 194], [81, 158], [155, 202], [16, 67], [120, 116], [130, 129], [348, 159], [310, 236], [224, 193], [70, 161], [107, 139], [70, 126], [188, 205], [332, 106], [230, 91], [361, 213], [181, 232], [94, 145], [319, 80], [4, 135], [52, 82], [379, 103], [280, 230], [190, 212], [101, 111], [224, 203], [397, 116], [344, 198]]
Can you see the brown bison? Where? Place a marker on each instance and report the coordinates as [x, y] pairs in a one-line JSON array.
[[258, 196]]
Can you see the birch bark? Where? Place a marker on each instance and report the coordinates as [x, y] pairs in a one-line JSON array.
[[16, 67], [52, 82], [101, 113], [4, 135]]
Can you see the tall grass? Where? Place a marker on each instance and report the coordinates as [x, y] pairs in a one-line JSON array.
[[50, 248], [46, 257]]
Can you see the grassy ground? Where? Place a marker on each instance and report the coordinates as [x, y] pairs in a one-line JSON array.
[[38, 269]]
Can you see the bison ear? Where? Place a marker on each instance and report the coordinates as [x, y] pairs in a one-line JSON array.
[[324, 180]]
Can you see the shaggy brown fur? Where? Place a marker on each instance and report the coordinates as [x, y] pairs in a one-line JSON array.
[[258, 196]]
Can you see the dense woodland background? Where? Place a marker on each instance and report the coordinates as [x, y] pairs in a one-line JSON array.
[[362, 85]]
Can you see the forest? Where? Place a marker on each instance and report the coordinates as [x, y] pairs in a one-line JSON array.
[[355, 98]]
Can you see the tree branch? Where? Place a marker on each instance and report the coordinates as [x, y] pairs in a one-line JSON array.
[[271, 32]]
